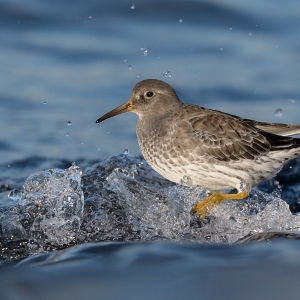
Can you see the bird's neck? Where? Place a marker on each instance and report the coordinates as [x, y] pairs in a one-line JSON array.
[[154, 124]]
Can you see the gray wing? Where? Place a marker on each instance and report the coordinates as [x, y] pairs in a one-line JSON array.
[[229, 138], [226, 139]]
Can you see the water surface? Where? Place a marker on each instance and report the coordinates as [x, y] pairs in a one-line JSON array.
[[73, 61]]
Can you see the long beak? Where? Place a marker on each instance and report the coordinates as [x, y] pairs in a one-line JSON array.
[[127, 106]]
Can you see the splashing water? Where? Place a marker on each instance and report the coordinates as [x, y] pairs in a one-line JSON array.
[[126, 200], [50, 207]]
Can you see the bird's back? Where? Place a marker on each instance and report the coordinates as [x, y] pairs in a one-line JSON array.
[[211, 147]]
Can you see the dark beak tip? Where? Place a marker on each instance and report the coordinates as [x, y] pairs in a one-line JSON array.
[[99, 120]]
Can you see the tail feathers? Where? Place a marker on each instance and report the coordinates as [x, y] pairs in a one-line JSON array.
[[279, 142], [274, 128], [279, 129]]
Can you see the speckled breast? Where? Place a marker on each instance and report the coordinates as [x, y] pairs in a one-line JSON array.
[[165, 150]]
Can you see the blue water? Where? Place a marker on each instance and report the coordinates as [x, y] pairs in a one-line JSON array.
[[75, 60], [73, 56], [157, 271]]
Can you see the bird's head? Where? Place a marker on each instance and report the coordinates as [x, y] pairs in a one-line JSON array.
[[150, 97]]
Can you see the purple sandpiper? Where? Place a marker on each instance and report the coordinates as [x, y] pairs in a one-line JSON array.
[[212, 149]]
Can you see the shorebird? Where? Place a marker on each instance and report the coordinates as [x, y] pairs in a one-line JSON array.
[[212, 149]]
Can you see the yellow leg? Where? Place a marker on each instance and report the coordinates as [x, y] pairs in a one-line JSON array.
[[215, 198]]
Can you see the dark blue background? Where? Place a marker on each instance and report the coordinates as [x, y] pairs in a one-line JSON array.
[[66, 61], [237, 56]]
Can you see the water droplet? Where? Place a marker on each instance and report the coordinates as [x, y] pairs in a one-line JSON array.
[[8, 166], [15, 195], [44, 102], [293, 100], [126, 151], [132, 6], [90, 17], [129, 67], [69, 123], [180, 20], [250, 33], [167, 74], [278, 113], [67, 134], [242, 186], [125, 60], [186, 181], [138, 75], [221, 49], [230, 28], [81, 143], [145, 52]]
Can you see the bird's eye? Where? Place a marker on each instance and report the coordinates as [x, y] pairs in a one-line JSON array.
[[149, 94]]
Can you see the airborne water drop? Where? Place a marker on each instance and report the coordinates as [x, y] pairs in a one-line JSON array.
[[278, 113], [167, 74]]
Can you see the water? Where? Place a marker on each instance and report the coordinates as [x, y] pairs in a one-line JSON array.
[[67, 62], [167, 74], [157, 271], [123, 199], [135, 232], [54, 53]]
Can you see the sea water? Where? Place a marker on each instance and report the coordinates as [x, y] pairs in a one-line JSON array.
[[119, 230]]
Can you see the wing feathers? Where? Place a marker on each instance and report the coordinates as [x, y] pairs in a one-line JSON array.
[[226, 137]]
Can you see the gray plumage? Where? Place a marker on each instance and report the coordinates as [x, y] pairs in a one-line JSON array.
[[213, 149]]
